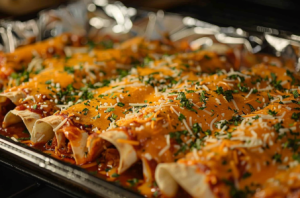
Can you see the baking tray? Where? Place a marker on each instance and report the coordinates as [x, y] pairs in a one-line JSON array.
[[93, 18], [70, 178]]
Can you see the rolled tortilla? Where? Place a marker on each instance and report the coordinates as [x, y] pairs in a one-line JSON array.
[[24, 54], [147, 172], [128, 155], [36, 86], [43, 129], [39, 85], [13, 96], [87, 144], [95, 145], [187, 172], [16, 116], [81, 142], [78, 139], [85, 147], [69, 51], [171, 175]]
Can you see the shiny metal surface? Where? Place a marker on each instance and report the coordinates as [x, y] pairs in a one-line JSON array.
[[96, 17]]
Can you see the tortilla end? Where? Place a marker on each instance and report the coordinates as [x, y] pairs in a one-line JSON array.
[[13, 96], [43, 129], [169, 176], [127, 152], [10, 119], [16, 116]]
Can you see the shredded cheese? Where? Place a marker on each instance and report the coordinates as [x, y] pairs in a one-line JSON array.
[[249, 94], [166, 147], [60, 125], [132, 142]]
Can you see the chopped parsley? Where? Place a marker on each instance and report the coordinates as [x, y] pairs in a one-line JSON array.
[[34, 106], [122, 73], [115, 175], [242, 88], [85, 111], [20, 77], [256, 117], [120, 104], [102, 95], [207, 57], [258, 101], [246, 175], [219, 90], [227, 93], [296, 94], [110, 109], [48, 82], [112, 117], [237, 193], [270, 97], [207, 132], [296, 157], [107, 169], [251, 107], [69, 70], [277, 126], [181, 117], [277, 157], [295, 116], [196, 128], [133, 182], [177, 135], [49, 143], [275, 83], [184, 102], [25, 131], [202, 97], [290, 74], [272, 113], [236, 76], [24, 138]]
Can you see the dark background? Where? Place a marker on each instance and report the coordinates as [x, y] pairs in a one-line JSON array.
[[247, 14], [278, 14]]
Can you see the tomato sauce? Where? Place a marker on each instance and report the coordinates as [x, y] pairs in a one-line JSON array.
[[105, 169]]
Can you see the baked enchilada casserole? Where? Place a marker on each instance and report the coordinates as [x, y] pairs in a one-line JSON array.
[[157, 116]]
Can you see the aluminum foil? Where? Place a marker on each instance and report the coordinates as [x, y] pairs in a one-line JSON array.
[[94, 18], [102, 17]]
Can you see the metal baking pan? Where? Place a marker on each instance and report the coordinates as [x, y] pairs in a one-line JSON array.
[[117, 20], [65, 176]]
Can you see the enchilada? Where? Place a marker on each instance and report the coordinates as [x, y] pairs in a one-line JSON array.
[[190, 122]]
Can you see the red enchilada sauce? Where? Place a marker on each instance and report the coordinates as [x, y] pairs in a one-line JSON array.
[[104, 167]]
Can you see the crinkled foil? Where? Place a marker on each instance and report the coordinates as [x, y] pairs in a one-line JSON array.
[[102, 17]]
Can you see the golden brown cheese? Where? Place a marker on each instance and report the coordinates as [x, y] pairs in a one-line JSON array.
[[164, 133], [180, 109], [284, 184], [147, 111], [241, 159], [109, 104], [66, 81]]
